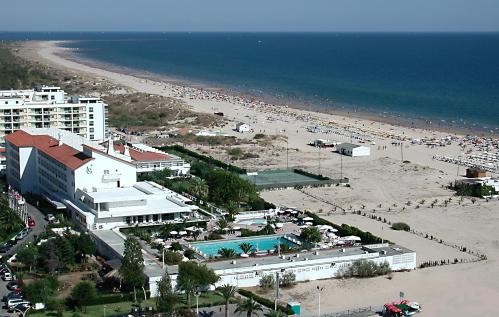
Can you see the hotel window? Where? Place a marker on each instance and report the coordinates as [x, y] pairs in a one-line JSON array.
[[91, 123], [91, 109], [52, 97], [91, 136], [91, 129], [90, 116], [106, 172]]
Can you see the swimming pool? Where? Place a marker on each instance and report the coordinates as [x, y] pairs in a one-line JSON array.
[[257, 221], [259, 244]]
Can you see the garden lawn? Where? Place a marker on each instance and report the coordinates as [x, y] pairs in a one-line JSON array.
[[119, 309]]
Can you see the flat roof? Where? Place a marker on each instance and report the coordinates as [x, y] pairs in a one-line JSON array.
[[348, 145], [334, 255]]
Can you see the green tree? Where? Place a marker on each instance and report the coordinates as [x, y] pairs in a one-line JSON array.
[[132, 265], [311, 234], [28, 256], [167, 299], [226, 253], [49, 257], [41, 290], [249, 306], [85, 246], [246, 247], [227, 292], [83, 293], [222, 224], [192, 276], [199, 187]]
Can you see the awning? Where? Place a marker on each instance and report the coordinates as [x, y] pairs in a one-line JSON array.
[[57, 204]]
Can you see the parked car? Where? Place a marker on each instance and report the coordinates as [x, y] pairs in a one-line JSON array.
[[31, 222], [5, 248], [16, 301], [22, 234], [22, 308], [13, 286], [7, 276], [11, 295], [50, 217]]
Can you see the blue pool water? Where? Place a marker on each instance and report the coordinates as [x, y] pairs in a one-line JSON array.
[[253, 222], [262, 244]]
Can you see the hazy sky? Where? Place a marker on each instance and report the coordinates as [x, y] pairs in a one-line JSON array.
[[250, 15]]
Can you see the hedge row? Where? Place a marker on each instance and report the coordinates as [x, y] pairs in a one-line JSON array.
[[265, 301], [346, 230], [311, 175], [112, 299], [207, 159]]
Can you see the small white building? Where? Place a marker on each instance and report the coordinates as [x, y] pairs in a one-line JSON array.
[[242, 127], [353, 150]]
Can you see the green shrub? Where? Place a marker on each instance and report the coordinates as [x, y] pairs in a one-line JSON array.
[[367, 268], [267, 281], [401, 226]]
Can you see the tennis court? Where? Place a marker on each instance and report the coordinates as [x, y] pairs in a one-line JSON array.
[[283, 178]]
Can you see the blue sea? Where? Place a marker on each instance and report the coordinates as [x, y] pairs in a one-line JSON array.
[[450, 79]]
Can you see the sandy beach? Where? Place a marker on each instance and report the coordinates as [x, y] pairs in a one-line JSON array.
[[380, 184]]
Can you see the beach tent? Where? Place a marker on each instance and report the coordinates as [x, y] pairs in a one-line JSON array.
[[173, 233], [308, 219], [182, 233], [279, 225]]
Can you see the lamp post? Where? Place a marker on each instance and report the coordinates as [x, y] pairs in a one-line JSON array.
[[197, 302], [319, 289], [277, 282], [104, 310]]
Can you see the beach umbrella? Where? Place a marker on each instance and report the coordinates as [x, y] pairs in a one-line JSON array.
[[191, 228], [237, 228], [281, 211], [173, 233], [244, 255], [309, 223], [308, 219], [182, 233], [331, 235], [279, 225], [168, 246], [339, 242]]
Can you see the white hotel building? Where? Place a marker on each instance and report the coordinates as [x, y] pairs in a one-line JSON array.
[[48, 107], [97, 188]]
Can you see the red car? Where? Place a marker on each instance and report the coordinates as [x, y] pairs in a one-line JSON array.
[[31, 222]]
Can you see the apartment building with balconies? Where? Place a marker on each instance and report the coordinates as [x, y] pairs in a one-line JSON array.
[[48, 107]]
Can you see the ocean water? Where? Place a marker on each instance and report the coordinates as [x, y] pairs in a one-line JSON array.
[[448, 78]]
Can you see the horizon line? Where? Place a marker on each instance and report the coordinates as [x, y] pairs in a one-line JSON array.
[[226, 32]]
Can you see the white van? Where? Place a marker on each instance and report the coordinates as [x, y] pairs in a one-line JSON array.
[[16, 301]]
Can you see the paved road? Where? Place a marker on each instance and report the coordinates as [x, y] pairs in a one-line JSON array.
[[41, 223]]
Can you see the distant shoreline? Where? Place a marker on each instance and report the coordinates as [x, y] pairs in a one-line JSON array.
[[398, 120]]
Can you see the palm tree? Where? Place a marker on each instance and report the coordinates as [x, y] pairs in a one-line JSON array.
[[221, 224], [199, 187], [250, 306], [227, 292], [227, 253], [246, 247], [232, 210], [275, 313]]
